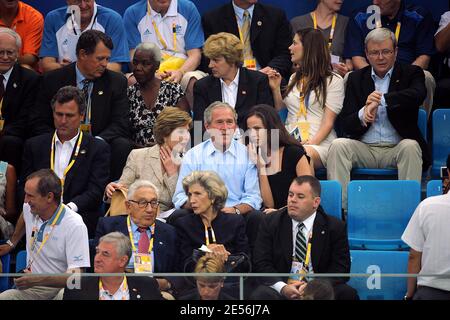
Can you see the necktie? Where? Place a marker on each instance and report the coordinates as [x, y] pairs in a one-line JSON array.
[[144, 241], [300, 244], [248, 53], [86, 83], [2, 88]]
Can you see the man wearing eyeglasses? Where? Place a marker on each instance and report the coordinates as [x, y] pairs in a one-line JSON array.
[[153, 242], [379, 117]]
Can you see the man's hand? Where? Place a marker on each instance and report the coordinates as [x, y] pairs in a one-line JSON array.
[[26, 282], [172, 75], [229, 210], [65, 62], [292, 291], [340, 68], [370, 112], [5, 249], [374, 97]]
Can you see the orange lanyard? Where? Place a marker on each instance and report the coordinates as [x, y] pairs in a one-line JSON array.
[[160, 38], [333, 27], [302, 108], [207, 235]]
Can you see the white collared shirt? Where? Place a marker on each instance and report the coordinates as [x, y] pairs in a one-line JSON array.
[[229, 92], [6, 75], [121, 294], [309, 223]]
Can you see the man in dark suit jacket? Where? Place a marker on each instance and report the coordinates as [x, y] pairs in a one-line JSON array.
[[105, 93], [238, 86], [18, 88], [276, 250], [86, 178], [142, 208], [112, 256], [270, 32], [379, 116]]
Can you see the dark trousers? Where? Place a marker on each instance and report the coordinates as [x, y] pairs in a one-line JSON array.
[[342, 291], [120, 149], [428, 293], [11, 149]]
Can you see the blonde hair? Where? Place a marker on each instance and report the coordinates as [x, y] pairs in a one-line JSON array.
[[225, 45], [168, 120], [208, 264], [212, 184]]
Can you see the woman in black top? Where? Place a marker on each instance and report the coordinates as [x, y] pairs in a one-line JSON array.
[[279, 157]]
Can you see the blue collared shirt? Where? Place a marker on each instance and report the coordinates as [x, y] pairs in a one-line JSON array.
[[381, 131], [234, 167], [136, 237], [240, 13]]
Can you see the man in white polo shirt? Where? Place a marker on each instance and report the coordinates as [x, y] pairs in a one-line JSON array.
[[175, 26], [56, 239], [63, 27]]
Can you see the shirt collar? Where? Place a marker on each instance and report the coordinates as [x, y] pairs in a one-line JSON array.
[[71, 142], [309, 222], [80, 76], [240, 12], [376, 77], [210, 148], [53, 217], [171, 12], [91, 23], [7, 74], [235, 81]]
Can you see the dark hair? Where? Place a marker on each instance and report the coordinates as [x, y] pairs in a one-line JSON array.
[[312, 181], [67, 94], [315, 66], [89, 40], [48, 182], [271, 120], [318, 289]]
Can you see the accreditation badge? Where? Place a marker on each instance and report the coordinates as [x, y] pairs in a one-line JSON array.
[[295, 268], [2, 124], [143, 263], [304, 127], [250, 64], [86, 128]]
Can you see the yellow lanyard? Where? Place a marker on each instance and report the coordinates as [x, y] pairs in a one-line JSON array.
[[302, 108], [33, 238], [71, 163], [1, 108], [160, 38], [397, 28], [207, 235], [130, 232], [333, 26], [124, 288], [305, 265]]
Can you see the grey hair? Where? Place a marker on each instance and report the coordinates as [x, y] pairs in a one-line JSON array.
[[152, 48], [213, 185], [138, 184], [67, 94], [121, 242], [207, 116], [379, 35], [13, 34]]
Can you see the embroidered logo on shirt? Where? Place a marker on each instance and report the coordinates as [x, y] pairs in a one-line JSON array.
[[65, 42], [147, 32], [78, 258]]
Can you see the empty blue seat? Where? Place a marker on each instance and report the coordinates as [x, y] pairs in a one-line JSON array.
[[422, 123], [434, 188], [331, 197], [375, 263], [283, 114], [379, 211], [21, 260], [5, 269], [441, 140]]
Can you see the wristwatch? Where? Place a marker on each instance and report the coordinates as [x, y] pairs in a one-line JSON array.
[[9, 243], [406, 298], [237, 210]]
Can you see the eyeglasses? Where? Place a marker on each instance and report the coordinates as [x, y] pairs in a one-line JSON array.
[[384, 53], [143, 203], [8, 53]]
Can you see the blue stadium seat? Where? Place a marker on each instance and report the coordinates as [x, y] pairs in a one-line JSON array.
[[5, 269], [283, 114], [422, 124], [21, 260], [441, 140], [434, 188], [379, 262], [379, 211], [331, 198]]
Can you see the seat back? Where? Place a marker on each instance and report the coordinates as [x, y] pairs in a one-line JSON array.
[[441, 140], [422, 123], [5, 260], [21, 260], [375, 263], [283, 113], [331, 197], [434, 188], [379, 211]]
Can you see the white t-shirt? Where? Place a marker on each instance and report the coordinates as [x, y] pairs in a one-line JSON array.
[[428, 232], [67, 246]]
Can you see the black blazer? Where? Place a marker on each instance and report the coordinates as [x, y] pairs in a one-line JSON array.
[[19, 99], [329, 246], [253, 89], [85, 182], [229, 230], [406, 93], [270, 33], [164, 245], [140, 288], [109, 103]]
